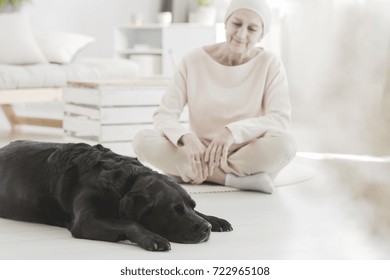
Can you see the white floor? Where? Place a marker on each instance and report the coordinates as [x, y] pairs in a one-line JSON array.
[[341, 213]]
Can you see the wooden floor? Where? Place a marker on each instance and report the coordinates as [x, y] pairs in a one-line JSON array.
[[341, 213]]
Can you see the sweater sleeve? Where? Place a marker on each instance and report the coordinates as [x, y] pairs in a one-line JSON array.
[[166, 118], [275, 105]]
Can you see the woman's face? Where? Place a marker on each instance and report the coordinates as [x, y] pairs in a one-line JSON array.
[[244, 28]]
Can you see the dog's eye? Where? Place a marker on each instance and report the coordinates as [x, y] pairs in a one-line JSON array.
[[179, 209]]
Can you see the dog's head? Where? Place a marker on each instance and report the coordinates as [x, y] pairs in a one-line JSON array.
[[162, 206]]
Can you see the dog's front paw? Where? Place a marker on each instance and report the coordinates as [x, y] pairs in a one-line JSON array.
[[218, 224], [155, 243]]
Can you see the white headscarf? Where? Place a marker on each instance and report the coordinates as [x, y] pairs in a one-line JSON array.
[[260, 7]]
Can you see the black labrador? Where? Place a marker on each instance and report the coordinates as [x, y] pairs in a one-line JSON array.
[[98, 195]]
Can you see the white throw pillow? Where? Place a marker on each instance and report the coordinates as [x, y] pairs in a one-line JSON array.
[[60, 47], [17, 42]]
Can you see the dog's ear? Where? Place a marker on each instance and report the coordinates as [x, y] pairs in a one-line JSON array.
[[135, 205]]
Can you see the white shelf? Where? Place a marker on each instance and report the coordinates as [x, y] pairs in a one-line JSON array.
[[131, 51], [165, 44], [159, 26]]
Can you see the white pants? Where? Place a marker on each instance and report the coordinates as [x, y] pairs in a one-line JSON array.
[[269, 153]]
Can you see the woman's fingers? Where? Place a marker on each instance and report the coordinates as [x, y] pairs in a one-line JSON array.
[[218, 155], [218, 150], [201, 171], [213, 156], [205, 171], [210, 154], [207, 153], [225, 153], [199, 167], [193, 164]]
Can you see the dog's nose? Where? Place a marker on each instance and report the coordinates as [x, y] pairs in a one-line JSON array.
[[206, 228]]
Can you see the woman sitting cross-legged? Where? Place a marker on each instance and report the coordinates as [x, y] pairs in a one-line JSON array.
[[239, 110]]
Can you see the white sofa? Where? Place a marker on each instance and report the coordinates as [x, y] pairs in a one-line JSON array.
[[36, 66], [44, 83]]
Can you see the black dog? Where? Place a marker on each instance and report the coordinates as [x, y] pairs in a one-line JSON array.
[[98, 195]]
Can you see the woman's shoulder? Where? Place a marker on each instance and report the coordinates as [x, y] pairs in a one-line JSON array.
[[270, 55], [272, 60], [192, 59], [194, 54]]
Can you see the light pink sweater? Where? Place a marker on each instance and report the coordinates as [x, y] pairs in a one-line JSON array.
[[249, 99]]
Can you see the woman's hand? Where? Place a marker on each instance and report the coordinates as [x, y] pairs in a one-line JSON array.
[[218, 149], [195, 151]]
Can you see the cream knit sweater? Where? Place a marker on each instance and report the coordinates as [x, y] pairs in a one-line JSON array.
[[249, 99]]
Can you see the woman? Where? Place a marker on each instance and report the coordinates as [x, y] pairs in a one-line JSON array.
[[239, 110]]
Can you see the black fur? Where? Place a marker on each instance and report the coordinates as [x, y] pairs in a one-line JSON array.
[[98, 195]]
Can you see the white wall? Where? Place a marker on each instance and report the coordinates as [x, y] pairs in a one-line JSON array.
[[96, 18], [337, 56]]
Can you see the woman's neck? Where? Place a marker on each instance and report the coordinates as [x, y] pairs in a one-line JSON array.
[[221, 53]]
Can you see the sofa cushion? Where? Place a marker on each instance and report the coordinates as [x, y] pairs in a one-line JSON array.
[[60, 47], [18, 45]]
